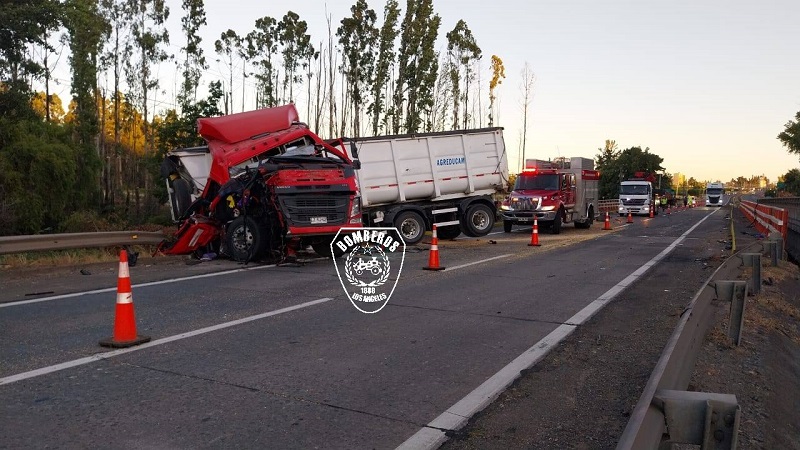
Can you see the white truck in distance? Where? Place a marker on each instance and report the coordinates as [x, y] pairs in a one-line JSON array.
[[714, 194], [447, 179], [636, 197]]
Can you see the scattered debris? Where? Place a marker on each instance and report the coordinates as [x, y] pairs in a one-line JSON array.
[[208, 256], [85, 272], [491, 241]]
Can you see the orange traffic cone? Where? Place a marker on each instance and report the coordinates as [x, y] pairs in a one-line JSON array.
[[433, 258], [124, 320], [651, 211], [607, 225], [535, 234], [630, 217]]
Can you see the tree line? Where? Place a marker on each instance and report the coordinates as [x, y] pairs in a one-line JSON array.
[[97, 154]]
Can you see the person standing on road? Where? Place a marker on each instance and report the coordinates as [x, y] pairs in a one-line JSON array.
[[685, 200]]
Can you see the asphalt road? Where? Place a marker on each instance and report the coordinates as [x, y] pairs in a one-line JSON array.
[[303, 368]]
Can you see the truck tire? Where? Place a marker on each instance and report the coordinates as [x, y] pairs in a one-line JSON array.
[[411, 226], [556, 227], [245, 239], [181, 197], [449, 232], [507, 225], [478, 221]]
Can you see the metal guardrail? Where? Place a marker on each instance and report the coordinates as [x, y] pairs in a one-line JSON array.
[[609, 206], [673, 372], [66, 241]]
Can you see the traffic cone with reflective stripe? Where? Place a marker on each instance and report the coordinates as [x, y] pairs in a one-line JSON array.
[[124, 319], [651, 211], [607, 224], [433, 257], [630, 217], [535, 234]]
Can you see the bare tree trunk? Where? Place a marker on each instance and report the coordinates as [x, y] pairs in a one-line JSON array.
[[331, 81]]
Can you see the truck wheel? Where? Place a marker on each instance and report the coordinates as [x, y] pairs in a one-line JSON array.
[[181, 197], [556, 227], [245, 239], [448, 232], [507, 224], [478, 221], [411, 227]]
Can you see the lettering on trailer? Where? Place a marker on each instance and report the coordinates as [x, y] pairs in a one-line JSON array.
[[450, 161]]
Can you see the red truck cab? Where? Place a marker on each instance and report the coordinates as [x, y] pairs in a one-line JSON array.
[[306, 187]]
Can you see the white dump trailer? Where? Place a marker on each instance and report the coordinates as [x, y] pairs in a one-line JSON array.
[[445, 179]]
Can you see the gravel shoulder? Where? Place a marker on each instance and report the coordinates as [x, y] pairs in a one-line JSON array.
[[582, 394]]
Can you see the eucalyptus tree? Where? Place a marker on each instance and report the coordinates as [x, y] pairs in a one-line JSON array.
[[463, 51], [386, 57], [246, 51], [296, 44], [417, 65], [194, 62], [526, 89], [24, 24], [148, 37], [86, 29], [498, 73], [226, 47], [358, 37], [265, 39]]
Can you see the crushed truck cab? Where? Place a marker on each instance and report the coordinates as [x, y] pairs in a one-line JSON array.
[[553, 195], [263, 180]]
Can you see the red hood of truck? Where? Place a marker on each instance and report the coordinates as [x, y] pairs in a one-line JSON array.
[[238, 127]]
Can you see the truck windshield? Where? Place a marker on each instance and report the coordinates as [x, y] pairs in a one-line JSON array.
[[634, 189], [714, 191], [537, 182]]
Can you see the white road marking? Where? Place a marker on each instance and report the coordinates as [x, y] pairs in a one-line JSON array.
[[461, 266], [114, 289], [177, 337], [432, 436]]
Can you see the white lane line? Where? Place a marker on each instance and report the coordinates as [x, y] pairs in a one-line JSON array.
[[467, 237], [114, 289], [432, 436], [177, 337], [447, 269]]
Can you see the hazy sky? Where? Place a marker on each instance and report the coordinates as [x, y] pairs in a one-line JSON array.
[[707, 85]]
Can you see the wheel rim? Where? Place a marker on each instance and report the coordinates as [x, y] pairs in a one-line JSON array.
[[480, 220], [243, 241], [409, 229]]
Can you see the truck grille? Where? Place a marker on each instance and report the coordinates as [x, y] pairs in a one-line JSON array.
[[525, 204], [307, 210], [633, 202]]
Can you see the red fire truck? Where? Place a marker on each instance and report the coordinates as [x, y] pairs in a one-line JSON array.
[[264, 180], [553, 194]]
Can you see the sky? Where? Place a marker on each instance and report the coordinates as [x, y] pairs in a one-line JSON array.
[[705, 84]]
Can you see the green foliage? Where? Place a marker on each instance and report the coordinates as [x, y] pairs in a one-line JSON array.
[[386, 57], [791, 182], [38, 174], [194, 62], [616, 166], [790, 136], [24, 23], [358, 37], [462, 51]]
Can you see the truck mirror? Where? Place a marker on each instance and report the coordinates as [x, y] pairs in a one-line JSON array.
[[353, 150], [356, 164]]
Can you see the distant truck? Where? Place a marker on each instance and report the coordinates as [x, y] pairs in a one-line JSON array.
[[636, 195], [553, 195], [447, 179], [714, 194], [263, 181]]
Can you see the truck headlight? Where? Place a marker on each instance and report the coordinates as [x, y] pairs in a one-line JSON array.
[[505, 208], [355, 207]]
